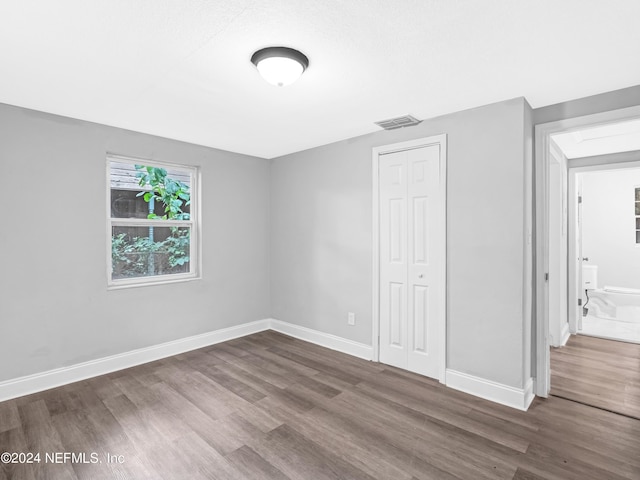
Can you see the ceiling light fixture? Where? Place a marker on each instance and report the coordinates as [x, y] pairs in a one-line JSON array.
[[280, 66]]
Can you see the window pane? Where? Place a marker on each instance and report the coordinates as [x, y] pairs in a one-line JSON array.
[[127, 204], [637, 223], [139, 191], [637, 208], [149, 251], [637, 194], [637, 237]]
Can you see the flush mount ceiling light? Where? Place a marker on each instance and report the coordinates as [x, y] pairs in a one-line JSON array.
[[280, 66]]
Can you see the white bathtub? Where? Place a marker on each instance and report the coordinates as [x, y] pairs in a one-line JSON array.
[[615, 303]]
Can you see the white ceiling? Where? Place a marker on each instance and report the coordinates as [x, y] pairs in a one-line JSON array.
[[600, 140], [181, 69]]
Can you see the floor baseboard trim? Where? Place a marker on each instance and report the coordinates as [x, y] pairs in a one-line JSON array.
[[503, 394], [519, 398], [62, 376], [326, 340]]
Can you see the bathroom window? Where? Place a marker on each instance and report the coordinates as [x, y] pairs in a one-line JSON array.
[[637, 215]]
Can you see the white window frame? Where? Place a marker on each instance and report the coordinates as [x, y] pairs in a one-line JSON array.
[[195, 266]]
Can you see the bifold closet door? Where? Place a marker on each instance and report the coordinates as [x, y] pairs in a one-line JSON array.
[[410, 251]]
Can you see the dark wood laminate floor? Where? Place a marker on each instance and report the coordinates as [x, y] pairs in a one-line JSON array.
[[599, 372], [269, 406]]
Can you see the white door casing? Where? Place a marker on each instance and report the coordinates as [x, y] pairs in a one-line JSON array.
[[578, 285], [412, 260]]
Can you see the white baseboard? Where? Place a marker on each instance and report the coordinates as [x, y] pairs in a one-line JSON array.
[[326, 340], [61, 376], [565, 334], [506, 395], [519, 398]]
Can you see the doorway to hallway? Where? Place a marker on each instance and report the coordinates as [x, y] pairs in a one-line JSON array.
[[601, 131]]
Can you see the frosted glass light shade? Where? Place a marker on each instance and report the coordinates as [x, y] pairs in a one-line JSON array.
[[280, 66], [280, 71]]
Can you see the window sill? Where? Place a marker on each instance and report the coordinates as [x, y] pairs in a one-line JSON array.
[[135, 283]]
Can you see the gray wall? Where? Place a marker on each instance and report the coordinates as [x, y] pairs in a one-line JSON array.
[[55, 309], [321, 237], [623, 98]]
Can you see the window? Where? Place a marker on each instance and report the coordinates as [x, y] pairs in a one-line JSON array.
[[152, 228], [637, 215]]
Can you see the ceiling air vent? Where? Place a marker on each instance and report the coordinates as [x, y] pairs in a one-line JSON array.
[[398, 122]]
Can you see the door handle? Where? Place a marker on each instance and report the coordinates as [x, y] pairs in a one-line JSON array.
[[585, 259], [421, 275]]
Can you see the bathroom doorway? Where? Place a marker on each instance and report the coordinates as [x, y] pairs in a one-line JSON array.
[[608, 220], [590, 242], [608, 140]]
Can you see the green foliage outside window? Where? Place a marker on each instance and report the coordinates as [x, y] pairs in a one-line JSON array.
[[172, 193], [135, 256]]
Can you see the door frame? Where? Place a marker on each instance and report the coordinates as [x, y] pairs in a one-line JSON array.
[[558, 211], [440, 140], [543, 133], [574, 250]]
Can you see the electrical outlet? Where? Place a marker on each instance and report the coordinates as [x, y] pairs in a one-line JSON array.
[[351, 318]]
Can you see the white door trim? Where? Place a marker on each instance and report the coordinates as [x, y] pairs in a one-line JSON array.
[[441, 140], [543, 134]]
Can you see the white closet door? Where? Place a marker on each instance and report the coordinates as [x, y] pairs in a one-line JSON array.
[[393, 259], [411, 251]]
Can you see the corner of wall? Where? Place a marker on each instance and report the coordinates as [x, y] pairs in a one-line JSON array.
[[528, 313], [269, 235]]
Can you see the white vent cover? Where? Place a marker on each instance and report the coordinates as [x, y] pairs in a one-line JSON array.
[[398, 122]]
